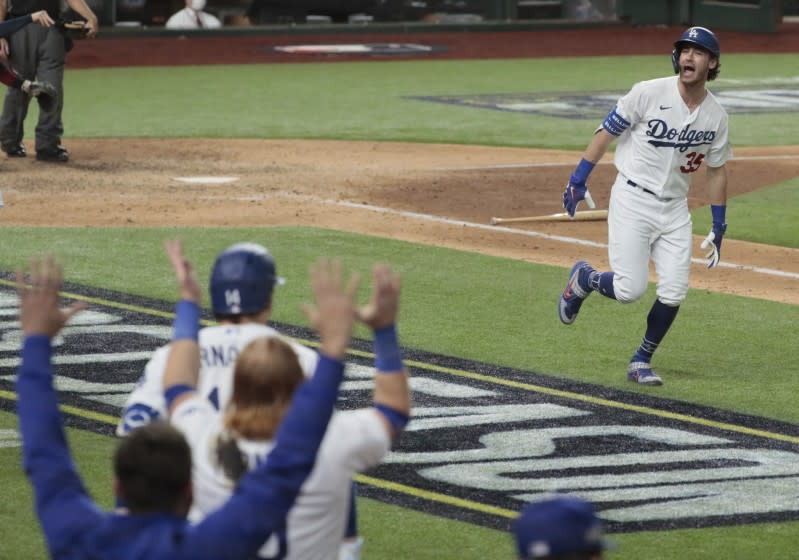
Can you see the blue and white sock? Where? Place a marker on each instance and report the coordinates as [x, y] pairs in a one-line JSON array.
[[658, 322], [602, 282]]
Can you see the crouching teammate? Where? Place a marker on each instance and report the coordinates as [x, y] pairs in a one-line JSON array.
[[152, 465], [265, 378]]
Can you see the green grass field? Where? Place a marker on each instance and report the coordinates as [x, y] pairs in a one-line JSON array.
[[725, 351]]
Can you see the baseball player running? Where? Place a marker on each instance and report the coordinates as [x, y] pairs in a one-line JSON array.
[[264, 381], [668, 128]]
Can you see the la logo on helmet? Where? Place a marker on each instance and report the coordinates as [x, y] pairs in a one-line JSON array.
[[693, 33]]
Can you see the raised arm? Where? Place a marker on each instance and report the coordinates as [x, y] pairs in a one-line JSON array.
[[183, 364], [62, 504], [263, 497], [392, 397]]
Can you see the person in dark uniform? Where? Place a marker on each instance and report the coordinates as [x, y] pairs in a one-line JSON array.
[[37, 53]]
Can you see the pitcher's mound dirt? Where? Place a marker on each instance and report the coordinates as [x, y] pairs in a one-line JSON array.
[[133, 183]]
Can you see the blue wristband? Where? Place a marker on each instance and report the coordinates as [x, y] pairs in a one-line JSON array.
[[719, 212], [175, 391], [187, 320], [397, 419], [580, 175], [388, 358]]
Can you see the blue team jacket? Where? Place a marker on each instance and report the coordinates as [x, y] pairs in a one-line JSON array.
[[10, 26], [76, 528]]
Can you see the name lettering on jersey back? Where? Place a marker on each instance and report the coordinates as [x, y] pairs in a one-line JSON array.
[[218, 356], [665, 137]]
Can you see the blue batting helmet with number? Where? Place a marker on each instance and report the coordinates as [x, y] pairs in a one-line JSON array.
[[698, 36], [242, 280]]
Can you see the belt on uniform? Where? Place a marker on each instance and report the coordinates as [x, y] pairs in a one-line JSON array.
[[647, 191]]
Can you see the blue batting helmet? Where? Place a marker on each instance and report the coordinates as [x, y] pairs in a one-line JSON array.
[[698, 36], [559, 526], [242, 279]]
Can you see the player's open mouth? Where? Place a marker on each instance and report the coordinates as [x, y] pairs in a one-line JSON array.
[[688, 69]]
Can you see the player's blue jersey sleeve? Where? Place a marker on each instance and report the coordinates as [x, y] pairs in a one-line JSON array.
[[75, 528], [64, 508], [10, 26]]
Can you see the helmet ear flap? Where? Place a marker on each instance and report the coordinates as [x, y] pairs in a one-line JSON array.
[[675, 61]]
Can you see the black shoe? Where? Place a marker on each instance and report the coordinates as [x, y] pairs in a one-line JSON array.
[[15, 151], [58, 155]]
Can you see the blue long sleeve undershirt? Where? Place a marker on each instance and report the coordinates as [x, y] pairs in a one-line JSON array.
[[76, 528]]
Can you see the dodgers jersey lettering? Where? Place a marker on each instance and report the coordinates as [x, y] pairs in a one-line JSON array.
[[666, 142], [220, 345]]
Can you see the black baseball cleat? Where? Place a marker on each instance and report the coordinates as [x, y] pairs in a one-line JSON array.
[[17, 150], [58, 155]]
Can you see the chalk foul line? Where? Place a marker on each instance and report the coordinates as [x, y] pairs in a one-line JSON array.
[[495, 229]]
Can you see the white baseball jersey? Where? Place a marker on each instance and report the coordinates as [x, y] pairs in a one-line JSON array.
[[665, 142], [354, 441], [220, 345], [661, 144]]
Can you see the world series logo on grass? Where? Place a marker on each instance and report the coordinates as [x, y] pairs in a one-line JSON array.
[[594, 106], [483, 439]]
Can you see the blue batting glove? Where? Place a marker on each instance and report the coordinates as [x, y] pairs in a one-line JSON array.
[[572, 196]]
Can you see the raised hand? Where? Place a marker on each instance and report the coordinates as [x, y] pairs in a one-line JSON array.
[[184, 274], [39, 309], [381, 311], [333, 316]]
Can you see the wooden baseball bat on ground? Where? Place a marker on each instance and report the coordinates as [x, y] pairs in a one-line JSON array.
[[584, 216]]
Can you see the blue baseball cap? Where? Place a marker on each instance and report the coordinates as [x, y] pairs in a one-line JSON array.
[[557, 526]]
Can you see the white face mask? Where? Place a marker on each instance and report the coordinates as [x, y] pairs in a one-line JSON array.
[[197, 5]]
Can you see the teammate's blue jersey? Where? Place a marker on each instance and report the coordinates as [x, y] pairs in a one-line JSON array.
[[76, 528]]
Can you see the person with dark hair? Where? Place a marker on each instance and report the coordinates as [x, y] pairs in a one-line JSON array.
[[559, 528], [668, 129], [152, 469], [154, 459], [265, 380]]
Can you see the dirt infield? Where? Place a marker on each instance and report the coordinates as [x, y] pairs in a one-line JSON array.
[[326, 184], [118, 182]]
